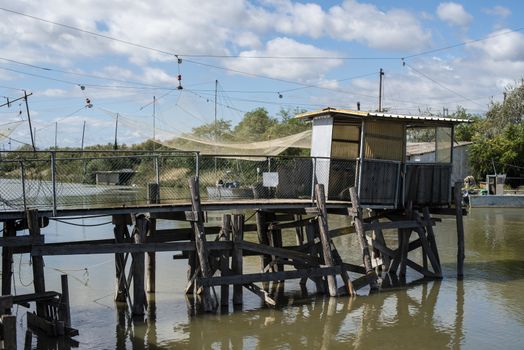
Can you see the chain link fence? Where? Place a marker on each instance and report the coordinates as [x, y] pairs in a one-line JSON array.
[[90, 179]]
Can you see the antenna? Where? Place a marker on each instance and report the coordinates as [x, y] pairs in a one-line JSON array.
[[56, 133], [154, 118]]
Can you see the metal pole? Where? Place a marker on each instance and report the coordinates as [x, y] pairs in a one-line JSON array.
[[115, 146], [56, 135], [53, 179], [29, 120], [22, 176], [380, 91], [83, 134], [154, 118], [157, 170], [313, 179]]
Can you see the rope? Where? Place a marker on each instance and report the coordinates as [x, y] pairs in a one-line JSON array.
[[81, 225]]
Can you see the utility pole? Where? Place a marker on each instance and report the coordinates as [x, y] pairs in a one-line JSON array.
[[29, 120], [216, 93], [115, 146], [216, 131], [381, 74], [83, 134], [154, 118], [56, 133]]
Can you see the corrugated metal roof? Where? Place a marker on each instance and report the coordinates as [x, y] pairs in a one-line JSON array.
[[363, 114]]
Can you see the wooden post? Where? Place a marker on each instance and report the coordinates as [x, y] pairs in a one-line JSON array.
[[324, 237], [225, 235], [153, 198], [200, 241], [405, 234], [356, 213], [9, 331], [38, 261], [460, 230], [65, 307], [139, 295], [7, 262], [310, 234], [237, 263], [121, 232], [262, 232]]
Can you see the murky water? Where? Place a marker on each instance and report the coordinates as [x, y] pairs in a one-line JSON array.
[[484, 311]]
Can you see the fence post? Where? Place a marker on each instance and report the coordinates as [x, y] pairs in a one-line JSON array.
[[313, 179], [22, 177], [53, 180], [157, 170], [197, 164]]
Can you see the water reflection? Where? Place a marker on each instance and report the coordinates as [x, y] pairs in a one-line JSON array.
[[377, 321]]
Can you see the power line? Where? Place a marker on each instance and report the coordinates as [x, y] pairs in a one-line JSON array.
[[441, 85]]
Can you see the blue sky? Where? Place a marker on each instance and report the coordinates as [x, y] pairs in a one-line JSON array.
[[267, 53]]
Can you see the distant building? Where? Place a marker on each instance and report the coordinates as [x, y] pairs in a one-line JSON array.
[[114, 177], [425, 152]]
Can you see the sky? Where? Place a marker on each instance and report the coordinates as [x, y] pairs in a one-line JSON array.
[[89, 61]]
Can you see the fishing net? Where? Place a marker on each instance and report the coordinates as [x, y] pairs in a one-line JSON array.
[[7, 129]]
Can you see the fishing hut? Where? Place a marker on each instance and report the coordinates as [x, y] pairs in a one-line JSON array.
[[358, 169]]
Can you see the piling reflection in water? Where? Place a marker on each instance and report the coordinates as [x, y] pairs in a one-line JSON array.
[[323, 323]]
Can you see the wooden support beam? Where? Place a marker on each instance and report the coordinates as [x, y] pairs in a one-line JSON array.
[[237, 260], [121, 233], [264, 295], [314, 252], [9, 332], [200, 242], [225, 235], [38, 262], [268, 277], [320, 197], [460, 230], [379, 237], [427, 248], [65, 311], [151, 260], [80, 248], [49, 328], [356, 213], [404, 235], [279, 252], [431, 234], [7, 262], [138, 266]]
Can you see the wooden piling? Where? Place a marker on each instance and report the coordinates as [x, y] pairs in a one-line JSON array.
[[138, 271], [460, 230], [153, 198], [225, 235], [200, 241], [65, 311], [7, 262], [262, 233], [237, 262], [313, 251], [9, 331], [324, 237], [356, 213], [121, 233], [38, 261]]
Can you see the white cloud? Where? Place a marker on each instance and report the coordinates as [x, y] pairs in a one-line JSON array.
[[498, 10], [504, 45], [396, 29], [301, 70], [454, 14]]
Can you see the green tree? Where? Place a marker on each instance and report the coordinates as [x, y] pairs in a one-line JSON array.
[[221, 130], [254, 126]]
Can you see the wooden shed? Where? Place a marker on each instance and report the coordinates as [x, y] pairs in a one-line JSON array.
[[368, 150]]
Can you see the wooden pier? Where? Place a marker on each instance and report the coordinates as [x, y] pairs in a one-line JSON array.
[[389, 201], [215, 254]]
